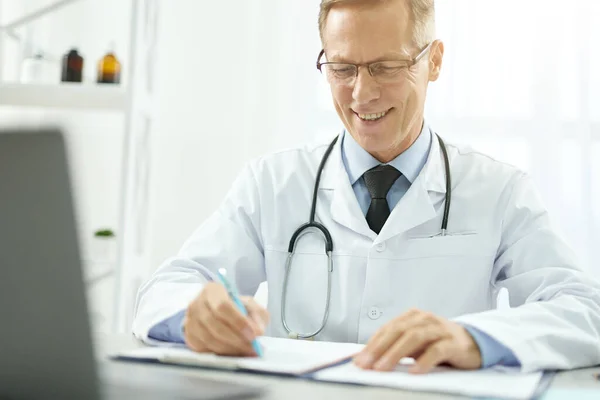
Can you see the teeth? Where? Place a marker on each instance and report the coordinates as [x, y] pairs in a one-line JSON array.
[[371, 117]]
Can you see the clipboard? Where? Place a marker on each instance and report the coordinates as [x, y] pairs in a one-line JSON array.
[[331, 362]]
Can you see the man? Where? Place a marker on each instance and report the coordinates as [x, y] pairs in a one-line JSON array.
[[401, 283]]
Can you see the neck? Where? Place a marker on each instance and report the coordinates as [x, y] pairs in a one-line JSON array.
[[398, 148]]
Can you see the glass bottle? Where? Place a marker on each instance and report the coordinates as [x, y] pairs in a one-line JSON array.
[[72, 67], [109, 68]]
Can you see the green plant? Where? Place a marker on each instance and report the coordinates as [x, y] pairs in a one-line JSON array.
[[105, 233]]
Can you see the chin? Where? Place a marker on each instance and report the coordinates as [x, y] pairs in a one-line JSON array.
[[379, 134], [375, 142]]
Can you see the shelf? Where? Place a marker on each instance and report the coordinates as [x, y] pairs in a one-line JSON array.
[[64, 95]]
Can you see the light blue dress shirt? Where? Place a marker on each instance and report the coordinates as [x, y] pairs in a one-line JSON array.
[[357, 161]]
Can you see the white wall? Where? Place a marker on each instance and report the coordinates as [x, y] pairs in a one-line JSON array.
[[223, 89]]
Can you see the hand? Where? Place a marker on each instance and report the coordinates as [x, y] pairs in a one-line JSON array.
[[429, 339], [213, 324]]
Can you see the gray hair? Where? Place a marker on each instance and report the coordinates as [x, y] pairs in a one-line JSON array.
[[422, 14]]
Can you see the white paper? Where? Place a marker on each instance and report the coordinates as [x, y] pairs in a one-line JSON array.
[[285, 356], [502, 383], [298, 356], [179, 355]]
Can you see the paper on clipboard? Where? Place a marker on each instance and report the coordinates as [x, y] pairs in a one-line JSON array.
[[505, 383], [281, 356], [324, 361]]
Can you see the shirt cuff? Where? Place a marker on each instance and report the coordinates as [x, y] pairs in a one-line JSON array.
[[169, 330], [492, 351]]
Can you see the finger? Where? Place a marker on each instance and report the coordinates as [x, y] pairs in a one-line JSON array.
[[196, 335], [226, 335], [433, 356], [224, 309], [258, 314], [191, 337], [381, 332], [414, 341], [258, 327], [195, 339], [377, 346], [211, 343], [219, 338], [380, 335]]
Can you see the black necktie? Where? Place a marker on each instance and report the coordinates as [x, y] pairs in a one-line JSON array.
[[379, 180]]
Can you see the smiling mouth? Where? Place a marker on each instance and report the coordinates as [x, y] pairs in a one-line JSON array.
[[373, 116]]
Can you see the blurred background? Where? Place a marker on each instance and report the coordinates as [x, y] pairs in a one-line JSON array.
[[212, 83]]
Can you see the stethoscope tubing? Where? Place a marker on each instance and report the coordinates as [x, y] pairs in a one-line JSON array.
[[304, 229]]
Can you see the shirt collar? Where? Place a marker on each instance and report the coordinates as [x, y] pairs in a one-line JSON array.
[[410, 163]]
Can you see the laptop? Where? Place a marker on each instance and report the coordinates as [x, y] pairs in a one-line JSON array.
[[46, 346]]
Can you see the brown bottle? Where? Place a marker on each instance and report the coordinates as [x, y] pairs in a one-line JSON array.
[[72, 67], [109, 69]]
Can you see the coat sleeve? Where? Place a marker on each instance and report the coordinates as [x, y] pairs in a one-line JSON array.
[[554, 319], [230, 238]]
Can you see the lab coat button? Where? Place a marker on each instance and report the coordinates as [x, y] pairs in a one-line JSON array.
[[380, 247], [374, 313]]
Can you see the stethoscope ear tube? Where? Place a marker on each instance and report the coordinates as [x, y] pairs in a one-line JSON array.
[[313, 208], [448, 186]]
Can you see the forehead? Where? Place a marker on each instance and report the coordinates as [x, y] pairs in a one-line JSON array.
[[359, 32]]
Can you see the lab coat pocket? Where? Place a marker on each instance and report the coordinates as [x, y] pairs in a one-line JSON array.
[[438, 234], [462, 243], [455, 269]]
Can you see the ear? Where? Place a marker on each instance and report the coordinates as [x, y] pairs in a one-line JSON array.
[[436, 55]]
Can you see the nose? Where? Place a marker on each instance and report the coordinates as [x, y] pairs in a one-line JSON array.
[[366, 89]]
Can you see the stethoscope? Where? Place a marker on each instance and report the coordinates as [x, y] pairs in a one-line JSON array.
[[304, 229]]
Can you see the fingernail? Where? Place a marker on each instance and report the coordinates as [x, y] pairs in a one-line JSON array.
[[364, 360], [251, 352], [415, 369], [248, 334]]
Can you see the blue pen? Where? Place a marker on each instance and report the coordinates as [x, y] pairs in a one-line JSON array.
[[236, 299]]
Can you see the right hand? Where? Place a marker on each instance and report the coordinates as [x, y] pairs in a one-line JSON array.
[[213, 324]]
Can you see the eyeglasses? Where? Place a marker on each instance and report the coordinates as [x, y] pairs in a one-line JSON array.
[[384, 72]]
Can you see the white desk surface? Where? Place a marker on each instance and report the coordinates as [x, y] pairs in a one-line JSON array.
[[580, 381]]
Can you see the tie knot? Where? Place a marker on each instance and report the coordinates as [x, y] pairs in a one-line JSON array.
[[380, 179]]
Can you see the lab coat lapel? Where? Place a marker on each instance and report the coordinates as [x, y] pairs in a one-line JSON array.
[[344, 208], [417, 206]]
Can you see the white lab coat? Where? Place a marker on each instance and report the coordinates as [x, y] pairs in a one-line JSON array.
[[499, 235]]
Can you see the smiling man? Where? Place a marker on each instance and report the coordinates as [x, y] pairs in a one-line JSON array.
[[409, 238], [381, 104]]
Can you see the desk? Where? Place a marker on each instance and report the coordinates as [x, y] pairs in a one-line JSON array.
[[294, 389]]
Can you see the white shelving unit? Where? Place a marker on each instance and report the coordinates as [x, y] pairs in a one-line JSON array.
[[134, 103], [65, 96]]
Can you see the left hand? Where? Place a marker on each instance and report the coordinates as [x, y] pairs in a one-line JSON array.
[[429, 339]]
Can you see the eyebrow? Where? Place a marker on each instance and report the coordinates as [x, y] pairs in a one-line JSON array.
[[397, 56]]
